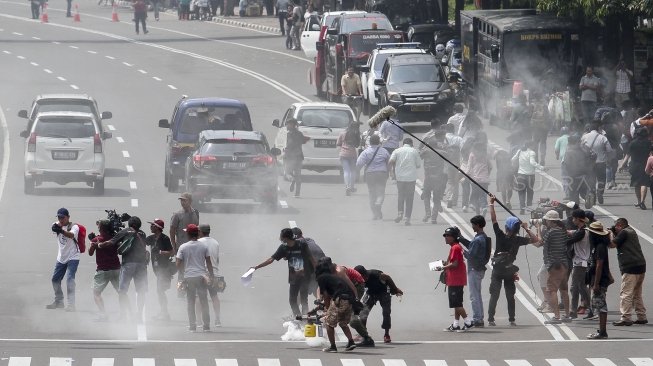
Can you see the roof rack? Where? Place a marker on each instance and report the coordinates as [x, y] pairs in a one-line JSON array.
[[382, 46]]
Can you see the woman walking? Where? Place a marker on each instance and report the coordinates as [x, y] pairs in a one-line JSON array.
[[639, 151], [525, 158], [348, 142]]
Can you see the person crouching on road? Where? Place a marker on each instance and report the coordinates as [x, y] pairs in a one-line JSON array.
[[374, 160], [380, 287], [67, 260], [456, 275], [404, 163], [162, 250], [194, 262], [108, 265], [337, 297]]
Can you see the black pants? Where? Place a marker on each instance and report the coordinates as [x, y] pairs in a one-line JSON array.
[[282, 14], [36, 9], [140, 17], [405, 196], [385, 300], [197, 288], [434, 186], [215, 4], [524, 189], [578, 187], [298, 288], [599, 179], [508, 283], [478, 197], [69, 4]]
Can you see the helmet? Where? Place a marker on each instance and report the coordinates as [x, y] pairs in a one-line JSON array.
[[439, 50], [452, 231], [452, 43]]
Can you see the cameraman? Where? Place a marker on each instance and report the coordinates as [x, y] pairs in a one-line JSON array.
[[504, 270], [632, 265], [108, 265], [161, 249], [579, 243]]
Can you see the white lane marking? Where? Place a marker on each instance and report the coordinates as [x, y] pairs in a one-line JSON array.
[[74, 86], [352, 362], [132, 185], [226, 362], [127, 64], [309, 362], [185, 362], [20, 57], [641, 361], [143, 362], [435, 363], [125, 154], [74, 47], [477, 363], [283, 204], [48, 71], [172, 87], [92, 52], [269, 362], [102, 362], [36, 38], [601, 362], [518, 363], [120, 140], [394, 363], [110, 57], [61, 78], [156, 78], [135, 204], [559, 362], [19, 361], [292, 223], [130, 169], [16, 33], [60, 361], [33, 63], [111, 127], [7, 52], [142, 71], [5, 151], [55, 42]]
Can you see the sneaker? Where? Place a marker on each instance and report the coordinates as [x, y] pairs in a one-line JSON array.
[[573, 315], [566, 319], [386, 338], [331, 349], [553, 321], [206, 330], [350, 345], [426, 218], [192, 329], [597, 335], [581, 310], [451, 328], [491, 323], [70, 309], [591, 316], [546, 309], [513, 324], [367, 342], [479, 324], [642, 206], [146, 32], [465, 209], [643, 321], [398, 218], [464, 328], [55, 305], [217, 324], [407, 223], [622, 323], [470, 325]]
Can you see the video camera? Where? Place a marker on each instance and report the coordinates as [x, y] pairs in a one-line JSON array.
[[544, 205], [116, 220]]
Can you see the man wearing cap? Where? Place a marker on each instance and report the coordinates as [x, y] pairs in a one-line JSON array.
[[182, 218], [599, 275], [580, 245], [403, 165], [108, 265], [632, 265], [67, 260], [161, 250], [504, 270], [214, 252], [435, 178], [194, 264], [456, 275]]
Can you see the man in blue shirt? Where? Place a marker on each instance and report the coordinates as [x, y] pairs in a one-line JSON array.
[[374, 159], [477, 255]]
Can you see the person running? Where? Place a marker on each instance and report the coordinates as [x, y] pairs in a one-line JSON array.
[[435, 178], [348, 142], [161, 250], [67, 260], [108, 266], [456, 280]]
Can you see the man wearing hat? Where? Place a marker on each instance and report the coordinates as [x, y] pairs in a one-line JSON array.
[[403, 165], [456, 275], [214, 252], [182, 218], [435, 178], [599, 274], [67, 260], [580, 245], [161, 250], [194, 264]]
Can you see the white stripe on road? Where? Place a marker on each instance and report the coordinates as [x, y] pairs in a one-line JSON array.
[[559, 362], [111, 127], [352, 362], [19, 361], [226, 362], [91, 52], [36, 38], [185, 362], [477, 363], [7, 52], [394, 363], [130, 168], [135, 204], [110, 57], [74, 86], [33, 64], [268, 362], [48, 71], [309, 362], [642, 361], [16, 33], [292, 223], [125, 154], [74, 47], [141, 332], [142, 71], [518, 363], [61, 78], [120, 140], [172, 87], [143, 362], [601, 362], [283, 204], [127, 64], [20, 57], [132, 185], [102, 362], [435, 363], [156, 78], [55, 42], [60, 361]]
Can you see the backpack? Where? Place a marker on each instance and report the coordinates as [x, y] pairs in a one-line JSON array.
[[81, 237]]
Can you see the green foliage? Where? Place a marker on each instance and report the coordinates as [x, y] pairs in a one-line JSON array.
[[469, 5], [596, 10]]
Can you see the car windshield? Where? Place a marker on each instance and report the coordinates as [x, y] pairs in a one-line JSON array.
[[64, 105], [198, 119], [365, 23], [64, 127], [230, 147], [415, 74], [331, 118]]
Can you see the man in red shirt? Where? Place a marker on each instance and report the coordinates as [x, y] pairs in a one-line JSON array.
[[456, 279], [108, 265]]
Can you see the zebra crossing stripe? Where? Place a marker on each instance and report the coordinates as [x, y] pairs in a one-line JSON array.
[[559, 362], [268, 362], [352, 362], [642, 361], [102, 362], [394, 363], [477, 363], [58, 361], [601, 362], [185, 362], [19, 361], [309, 362], [143, 362], [518, 363], [226, 362], [435, 363]]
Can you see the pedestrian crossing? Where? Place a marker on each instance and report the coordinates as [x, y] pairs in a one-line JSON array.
[[63, 361]]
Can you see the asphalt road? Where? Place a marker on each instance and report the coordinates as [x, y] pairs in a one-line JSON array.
[[139, 79]]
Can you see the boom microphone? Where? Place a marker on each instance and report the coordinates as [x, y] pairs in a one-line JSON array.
[[384, 114]]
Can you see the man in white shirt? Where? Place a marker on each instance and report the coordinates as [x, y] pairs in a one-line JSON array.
[[597, 142], [622, 84], [67, 260], [590, 86], [214, 252], [403, 164], [457, 119]]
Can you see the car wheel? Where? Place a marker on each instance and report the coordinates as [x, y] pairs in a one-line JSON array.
[[98, 186], [173, 183], [29, 186]]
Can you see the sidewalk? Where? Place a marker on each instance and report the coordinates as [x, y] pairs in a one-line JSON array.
[[263, 22]]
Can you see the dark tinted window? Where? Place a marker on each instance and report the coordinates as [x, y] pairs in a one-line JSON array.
[[331, 118], [65, 105], [196, 120], [64, 127], [415, 73], [233, 147], [365, 23]]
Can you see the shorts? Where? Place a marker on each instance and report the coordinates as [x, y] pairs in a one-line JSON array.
[[338, 313], [557, 278], [598, 301], [135, 271], [103, 278], [455, 296]]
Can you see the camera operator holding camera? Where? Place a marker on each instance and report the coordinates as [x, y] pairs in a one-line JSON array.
[[579, 244], [108, 265]]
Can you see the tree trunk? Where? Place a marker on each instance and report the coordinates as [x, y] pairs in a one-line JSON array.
[[441, 10], [627, 37], [460, 5]]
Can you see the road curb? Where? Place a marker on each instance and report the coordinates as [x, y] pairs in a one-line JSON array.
[[242, 24]]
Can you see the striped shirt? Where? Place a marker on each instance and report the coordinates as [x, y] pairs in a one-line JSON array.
[[555, 247]]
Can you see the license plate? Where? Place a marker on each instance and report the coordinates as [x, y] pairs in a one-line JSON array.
[[325, 143], [234, 165], [420, 108], [64, 155]]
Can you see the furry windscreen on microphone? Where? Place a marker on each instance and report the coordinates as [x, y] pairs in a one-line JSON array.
[[382, 115]]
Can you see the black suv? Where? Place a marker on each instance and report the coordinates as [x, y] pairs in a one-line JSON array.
[[233, 164], [416, 86]]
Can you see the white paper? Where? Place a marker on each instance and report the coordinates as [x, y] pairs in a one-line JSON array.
[[246, 279], [433, 266]]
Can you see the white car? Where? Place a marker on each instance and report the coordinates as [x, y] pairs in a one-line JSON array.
[[373, 69], [64, 147], [312, 28], [323, 122]]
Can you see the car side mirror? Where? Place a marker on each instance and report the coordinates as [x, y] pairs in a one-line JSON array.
[[364, 68], [275, 151], [106, 115], [379, 82], [24, 134], [22, 113], [163, 123], [315, 27], [494, 53], [106, 135], [275, 123]]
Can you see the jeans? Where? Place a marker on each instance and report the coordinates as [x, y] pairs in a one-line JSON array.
[[197, 288], [385, 300], [474, 279], [434, 185], [578, 187], [299, 288], [215, 4], [465, 192], [69, 4], [140, 17], [294, 169], [478, 197], [524, 189], [578, 287], [588, 109], [59, 272], [565, 180], [405, 196], [36, 8], [349, 171], [539, 137], [453, 185], [631, 296], [600, 179], [294, 33], [376, 188], [508, 282], [282, 21]]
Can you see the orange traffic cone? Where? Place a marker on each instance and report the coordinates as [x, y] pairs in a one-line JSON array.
[[76, 17], [44, 15], [114, 14]]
